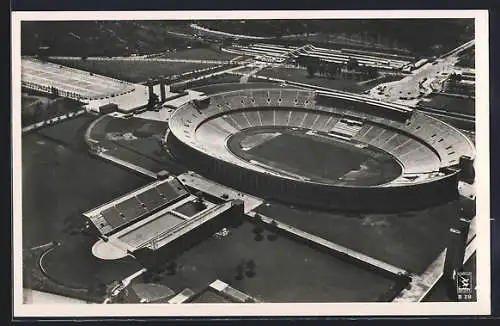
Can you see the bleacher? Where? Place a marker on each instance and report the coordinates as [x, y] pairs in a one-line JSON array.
[[340, 56], [422, 144], [345, 128], [72, 83], [135, 206]]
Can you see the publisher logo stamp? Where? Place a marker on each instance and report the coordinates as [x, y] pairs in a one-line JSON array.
[[464, 285]]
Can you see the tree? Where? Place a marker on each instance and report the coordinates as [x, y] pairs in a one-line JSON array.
[[322, 68], [352, 64], [454, 77], [372, 72], [312, 66], [311, 69], [301, 60], [333, 69], [153, 100]]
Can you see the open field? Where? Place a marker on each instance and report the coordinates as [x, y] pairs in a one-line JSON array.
[[27, 100], [81, 269], [383, 79], [300, 76], [232, 85], [142, 147], [199, 54], [333, 159], [410, 240], [39, 108], [451, 104], [61, 180], [133, 71], [203, 83], [273, 268]]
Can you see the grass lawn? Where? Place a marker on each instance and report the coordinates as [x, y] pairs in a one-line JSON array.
[[144, 151], [382, 79], [273, 268], [233, 85], [300, 76], [200, 54], [133, 71], [451, 104], [27, 101], [61, 180], [410, 240]]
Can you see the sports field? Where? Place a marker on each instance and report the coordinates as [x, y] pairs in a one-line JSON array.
[[27, 101], [36, 108], [137, 141], [410, 240], [199, 54], [451, 104], [73, 265], [60, 181], [272, 268], [133, 71], [300, 76], [321, 159], [232, 84]]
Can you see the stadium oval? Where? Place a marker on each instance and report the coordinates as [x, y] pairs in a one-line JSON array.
[[366, 155]]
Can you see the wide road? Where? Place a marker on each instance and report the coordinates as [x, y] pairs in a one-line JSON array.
[[420, 82]]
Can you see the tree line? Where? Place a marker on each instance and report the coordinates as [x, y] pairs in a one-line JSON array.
[[332, 70]]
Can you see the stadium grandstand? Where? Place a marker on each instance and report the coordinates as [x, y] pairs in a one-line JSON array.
[[99, 93], [208, 179], [68, 82], [341, 56], [422, 152], [153, 216]]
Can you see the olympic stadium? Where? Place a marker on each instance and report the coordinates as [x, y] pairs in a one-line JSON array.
[[273, 142], [240, 173]]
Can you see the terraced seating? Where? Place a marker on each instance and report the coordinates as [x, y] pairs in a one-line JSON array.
[[415, 157], [394, 141], [449, 143], [241, 119], [267, 117], [296, 118], [212, 134], [309, 120], [281, 117], [298, 108], [345, 128], [254, 117], [331, 120], [131, 208], [71, 82], [384, 137]]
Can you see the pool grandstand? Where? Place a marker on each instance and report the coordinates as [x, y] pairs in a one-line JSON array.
[[152, 217]]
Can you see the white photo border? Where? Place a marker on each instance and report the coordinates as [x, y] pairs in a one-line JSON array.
[[481, 307]]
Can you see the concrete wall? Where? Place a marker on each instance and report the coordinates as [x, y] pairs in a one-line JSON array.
[[383, 199], [231, 217]]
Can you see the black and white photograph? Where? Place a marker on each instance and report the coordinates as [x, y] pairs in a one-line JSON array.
[[251, 163]]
